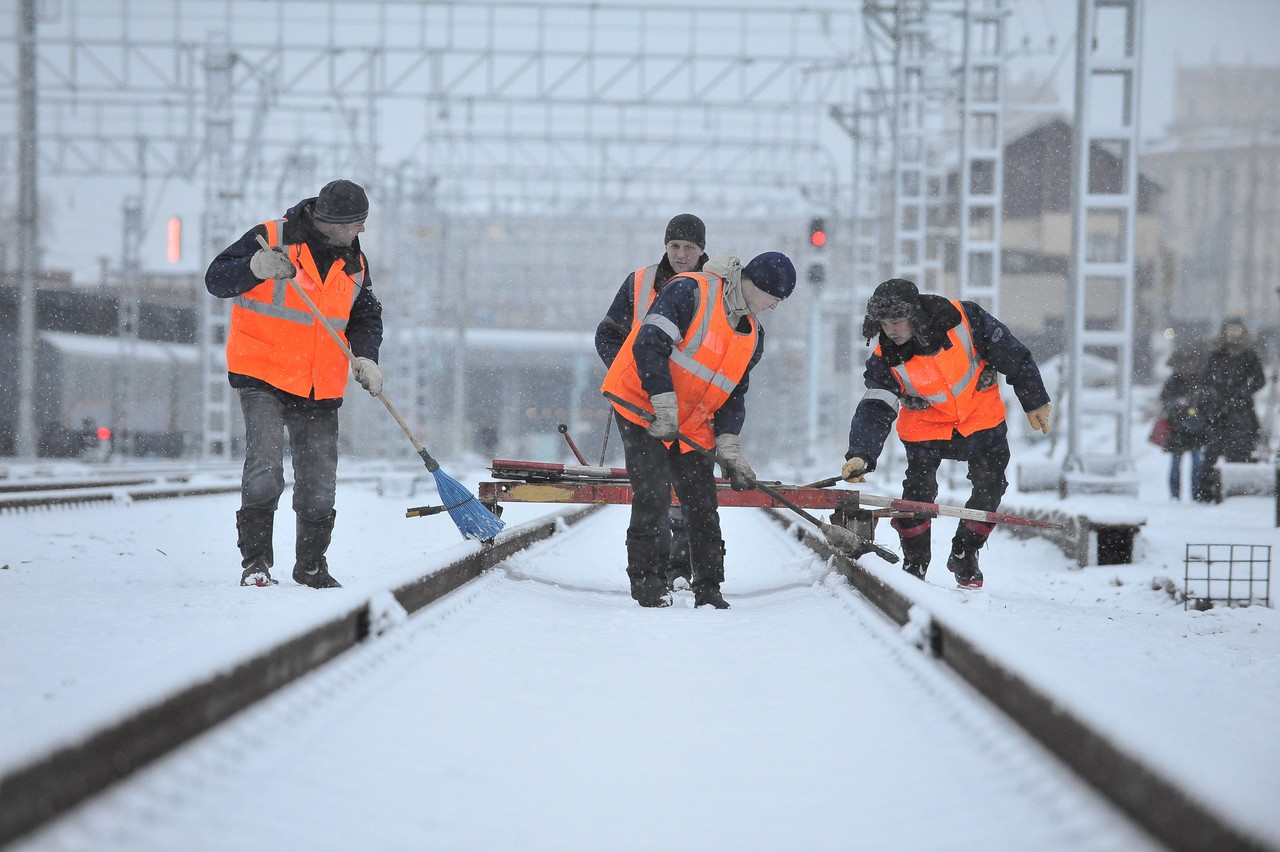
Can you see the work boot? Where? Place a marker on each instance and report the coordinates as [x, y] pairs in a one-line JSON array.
[[708, 573], [253, 537], [709, 596], [916, 546], [963, 562], [647, 571], [311, 568], [649, 594]]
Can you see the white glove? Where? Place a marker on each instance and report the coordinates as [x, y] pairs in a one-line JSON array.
[[741, 476], [272, 263], [666, 416], [854, 470], [369, 375]]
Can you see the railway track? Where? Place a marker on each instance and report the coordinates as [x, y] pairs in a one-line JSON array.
[[523, 595]]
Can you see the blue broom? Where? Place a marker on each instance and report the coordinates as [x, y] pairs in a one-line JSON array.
[[470, 515]]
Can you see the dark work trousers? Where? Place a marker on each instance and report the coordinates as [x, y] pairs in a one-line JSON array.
[[654, 470], [986, 473], [313, 443]]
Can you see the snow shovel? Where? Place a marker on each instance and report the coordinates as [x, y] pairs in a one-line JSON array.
[[846, 541], [469, 514]]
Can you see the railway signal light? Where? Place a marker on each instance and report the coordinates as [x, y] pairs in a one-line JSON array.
[[817, 232]]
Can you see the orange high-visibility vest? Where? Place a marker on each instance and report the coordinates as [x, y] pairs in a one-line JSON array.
[[707, 362], [642, 294], [948, 381], [275, 338]]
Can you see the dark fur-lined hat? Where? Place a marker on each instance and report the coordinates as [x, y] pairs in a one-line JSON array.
[[894, 299]]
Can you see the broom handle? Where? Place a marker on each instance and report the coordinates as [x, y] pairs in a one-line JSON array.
[[432, 464]]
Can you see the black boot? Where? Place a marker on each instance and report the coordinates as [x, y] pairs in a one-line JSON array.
[[708, 573], [646, 568], [916, 546], [253, 537], [311, 568], [963, 561]]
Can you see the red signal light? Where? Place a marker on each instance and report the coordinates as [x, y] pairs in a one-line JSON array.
[[817, 232], [104, 434]]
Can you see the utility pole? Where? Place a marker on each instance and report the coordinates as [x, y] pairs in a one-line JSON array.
[[28, 232]]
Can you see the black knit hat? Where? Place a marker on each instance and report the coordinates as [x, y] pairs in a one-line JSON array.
[[894, 299], [342, 202], [687, 227], [773, 272]]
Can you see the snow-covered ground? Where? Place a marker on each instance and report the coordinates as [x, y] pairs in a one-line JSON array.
[[673, 728]]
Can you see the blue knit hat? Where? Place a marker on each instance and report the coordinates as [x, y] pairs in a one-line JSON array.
[[773, 272]]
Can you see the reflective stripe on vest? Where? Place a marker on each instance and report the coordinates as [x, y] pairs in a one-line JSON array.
[[948, 381], [964, 340], [276, 308], [701, 388], [284, 344], [642, 293], [686, 356]]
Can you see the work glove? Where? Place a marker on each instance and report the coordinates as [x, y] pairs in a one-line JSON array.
[[368, 374], [272, 263], [1039, 419], [741, 476], [987, 378], [666, 416], [914, 403], [854, 470]]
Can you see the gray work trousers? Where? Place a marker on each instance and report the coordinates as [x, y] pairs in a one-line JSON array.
[[313, 443]]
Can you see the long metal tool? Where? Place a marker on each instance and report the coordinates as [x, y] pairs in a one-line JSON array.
[[921, 508], [840, 538], [469, 514], [577, 454]]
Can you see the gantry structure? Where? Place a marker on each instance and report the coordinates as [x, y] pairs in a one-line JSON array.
[[885, 118]]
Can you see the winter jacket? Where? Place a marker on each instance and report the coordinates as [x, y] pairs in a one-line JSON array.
[[299, 361], [1234, 371], [948, 381], [624, 313], [992, 341], [685, 345]]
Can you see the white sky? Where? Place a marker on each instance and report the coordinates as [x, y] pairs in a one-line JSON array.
[[1186, 32]]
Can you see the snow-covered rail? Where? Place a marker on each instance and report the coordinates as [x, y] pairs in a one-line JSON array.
[[44, 788], [538, 707], [1164, 808]]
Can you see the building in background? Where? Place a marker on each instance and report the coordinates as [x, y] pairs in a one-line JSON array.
[[1036, 240], [1220, 167]]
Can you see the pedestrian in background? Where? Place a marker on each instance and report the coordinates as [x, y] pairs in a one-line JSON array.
[[688, 363], [685, 242], [1184, 401], [289, 373], [1234, 369], [938, 360]]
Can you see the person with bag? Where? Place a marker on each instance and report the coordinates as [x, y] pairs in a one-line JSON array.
[[289, 374], [1184, 408]]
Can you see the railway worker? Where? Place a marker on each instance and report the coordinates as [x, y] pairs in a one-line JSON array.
[[289, 373], [937, 360], [689, 364], [685, 242]]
